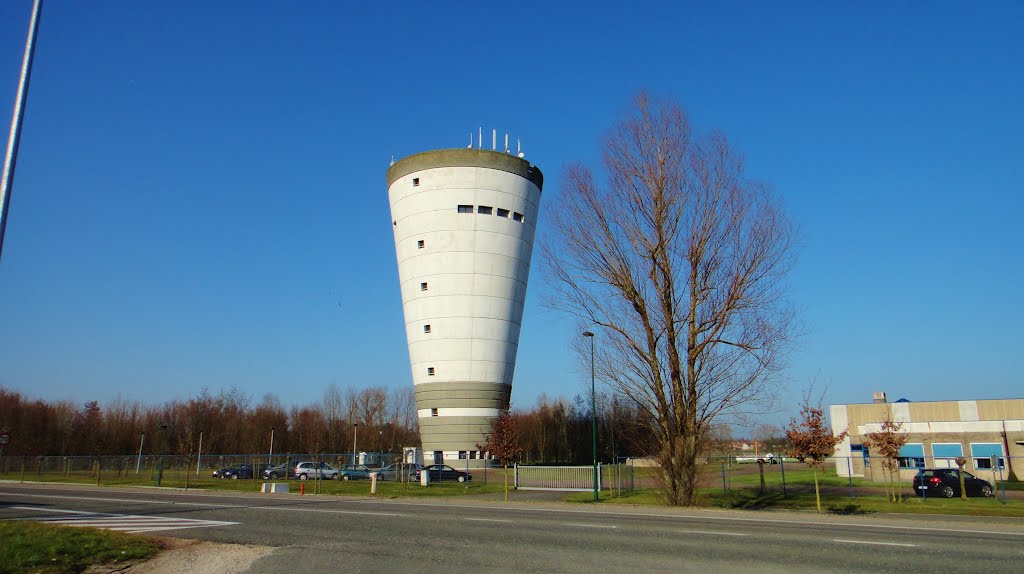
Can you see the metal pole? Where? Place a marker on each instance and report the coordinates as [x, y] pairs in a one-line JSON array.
[[11, 157], [138, 461], [199, 457], [782, 467], [355, 437], [270, 458], [593, 409]]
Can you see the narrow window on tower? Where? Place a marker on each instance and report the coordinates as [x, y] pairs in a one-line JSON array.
[[426, 328], [502, 213], [420, 244], [415, 182], [484, 210], [465, 209], [433, 412], [517, 217], [423, 286], [430, 371]]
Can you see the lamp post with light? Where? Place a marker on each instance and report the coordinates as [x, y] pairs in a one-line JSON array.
[[593, 408]]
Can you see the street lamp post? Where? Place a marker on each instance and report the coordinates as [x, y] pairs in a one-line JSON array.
[[270, 457], [355, 436], [593, 408]]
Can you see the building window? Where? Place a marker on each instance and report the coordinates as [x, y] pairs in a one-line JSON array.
[[982, 453], [433, 412], [502, 212], [430, 372], [912, 456], [472, 455], [465, 209], [517, 217], [415, 182], [944, 454], [426, 328], [421, 244], [484, 210], [423, 286], [463, 455]]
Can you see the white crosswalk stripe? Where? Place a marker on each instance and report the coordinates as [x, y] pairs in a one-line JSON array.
[[121, 522]]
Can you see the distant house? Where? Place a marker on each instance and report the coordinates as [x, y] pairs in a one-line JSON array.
[[938, 433]]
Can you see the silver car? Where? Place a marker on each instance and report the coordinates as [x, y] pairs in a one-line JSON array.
[[308, 470]]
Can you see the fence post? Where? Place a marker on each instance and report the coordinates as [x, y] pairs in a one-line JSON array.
[[782, 467], [725, 491], [849, 475]]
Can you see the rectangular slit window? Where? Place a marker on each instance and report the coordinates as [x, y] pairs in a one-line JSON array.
[[415, 182], [502, 212], [484, 210], [420, 244], [430, 371], [423, 286], [517, 217], [426, 328], [465, 209], [433, 412]]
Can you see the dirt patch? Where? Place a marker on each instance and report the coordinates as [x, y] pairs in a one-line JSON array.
[[192, 556]]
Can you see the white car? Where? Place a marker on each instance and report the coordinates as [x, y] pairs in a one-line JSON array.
[[308, 470]]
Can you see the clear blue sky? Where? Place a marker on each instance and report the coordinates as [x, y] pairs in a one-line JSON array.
[[200, 196]]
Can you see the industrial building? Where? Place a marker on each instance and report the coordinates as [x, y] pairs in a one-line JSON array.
[[464, 222], [939, 432]]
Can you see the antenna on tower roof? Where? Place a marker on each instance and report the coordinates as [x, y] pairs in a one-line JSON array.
[[470, 146], [480, 138], [392, 159], [519, 148], [506, 143]]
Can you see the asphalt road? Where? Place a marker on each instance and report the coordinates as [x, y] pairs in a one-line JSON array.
[[330, 534]]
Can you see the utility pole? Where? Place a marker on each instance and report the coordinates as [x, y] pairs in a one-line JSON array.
[[11, 157]]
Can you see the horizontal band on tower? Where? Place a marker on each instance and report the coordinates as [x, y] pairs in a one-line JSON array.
[[458, 412], [465, 157]]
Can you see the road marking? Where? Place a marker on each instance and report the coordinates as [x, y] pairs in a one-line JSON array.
[[589, 525], [361, 512], [712, 532], [120, 522], [873, 543], [487, 519]]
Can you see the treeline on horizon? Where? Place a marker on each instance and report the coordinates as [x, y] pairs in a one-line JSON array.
[[552, 431]]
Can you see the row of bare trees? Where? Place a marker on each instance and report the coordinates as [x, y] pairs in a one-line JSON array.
[[552, 431], [230, 423]]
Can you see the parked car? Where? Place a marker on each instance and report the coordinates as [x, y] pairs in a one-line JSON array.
[[354, 472], [286, 470], [308, 470], [243, 471], [770, 458], [227, 471], [443, 472], [945, 482], [393, 471]]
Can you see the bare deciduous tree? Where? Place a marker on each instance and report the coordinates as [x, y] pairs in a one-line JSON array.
[[678, 264]]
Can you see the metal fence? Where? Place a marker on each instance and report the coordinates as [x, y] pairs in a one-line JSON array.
[[567, 478], [157, 468]]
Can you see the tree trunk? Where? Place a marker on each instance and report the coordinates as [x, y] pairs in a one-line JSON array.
[[817, 492]]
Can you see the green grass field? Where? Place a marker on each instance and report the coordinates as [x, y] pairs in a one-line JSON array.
[[49, 549]]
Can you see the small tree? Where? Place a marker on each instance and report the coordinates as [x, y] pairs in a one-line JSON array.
[[503, 443], [811, 441], [888, 442]]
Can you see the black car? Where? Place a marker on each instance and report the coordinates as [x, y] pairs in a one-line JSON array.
[[226, 471], [945, 482], [442, 472], [242, 471]]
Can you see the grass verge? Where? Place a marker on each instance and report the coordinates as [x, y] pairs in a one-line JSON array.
[[50, 549]]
